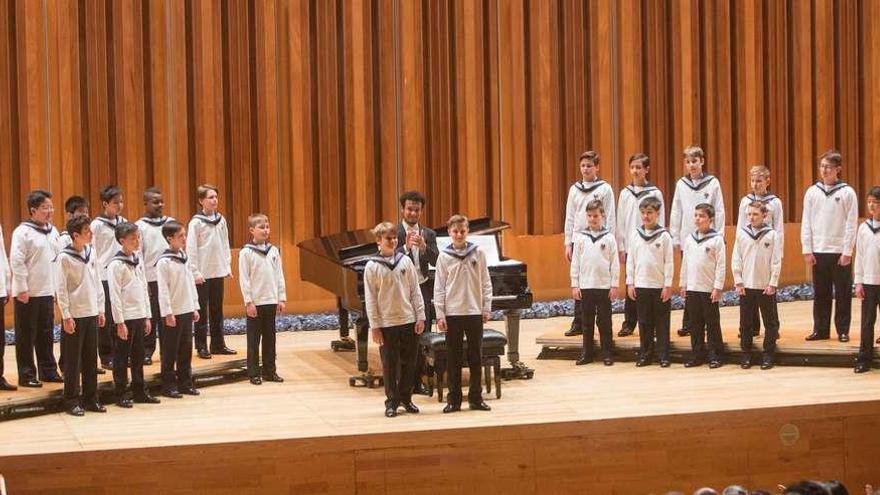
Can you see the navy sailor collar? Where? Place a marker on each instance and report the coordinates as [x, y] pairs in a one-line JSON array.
[[262, 249], [588, 187], [130, 261], [469, 248], [595, 236], [156, 222], [178, 256], [210, 220], [763, 199], [83, 257], [391, 263], [698, 184], [700, 238], [111, 222], [756, 234], [872, 225], [833, 188], [43, 229], [646, 189], [653, 234]]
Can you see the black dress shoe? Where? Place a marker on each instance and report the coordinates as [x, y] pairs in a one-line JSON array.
[[410, 407], [146, 399], [124, 402], [204, 354], [714, 364], [421, 389], [30, 383], [626, 330], [255, 380], [148, 361], [683, 332], [53, 379], [223, 350], [583, 360], [451, 408], [4, 385], [574, 332], [815, 336], [643, 362], [664, 363], [693, 363], [172, 394], [479, 406], [608, 362], [107, 366], [766, 364], [390, 411], [746, 362], [272, 377], [94, 407], [843, 337], [189, 391], [76, 410], [861, 368], [99, 370]]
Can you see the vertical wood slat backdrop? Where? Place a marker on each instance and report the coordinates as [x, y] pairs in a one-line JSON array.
[[320, 112]]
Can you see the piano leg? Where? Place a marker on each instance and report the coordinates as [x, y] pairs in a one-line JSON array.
[[518, 369], [366, 377], [344, 343]]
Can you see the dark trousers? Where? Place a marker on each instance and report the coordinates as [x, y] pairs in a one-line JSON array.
[[261, 328], [578, 322], [211, 302], [704, 318], [156, 321], [398, 353], [418, 368], [80, 352], [831, 280], [105, 333], [753, 305], [630, 310], [869, 318], [457, 329], [131, 349], [596, 311], [34, 325], [653, 323], [2, 333], [176, 354]]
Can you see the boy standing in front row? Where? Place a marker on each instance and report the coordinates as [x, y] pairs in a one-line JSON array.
[[702, 278], [867, 278], [828, 233], [463, 302], [649, 272], [396, 312], [81, 300], [595, 275], [756, 263], [178, 303], [130, 303], [262, 287]]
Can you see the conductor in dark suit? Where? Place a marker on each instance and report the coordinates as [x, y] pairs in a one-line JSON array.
[[420, 244]]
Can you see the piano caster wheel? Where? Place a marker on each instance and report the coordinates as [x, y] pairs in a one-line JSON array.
[[367, 380], [518, 371], [346, 344]]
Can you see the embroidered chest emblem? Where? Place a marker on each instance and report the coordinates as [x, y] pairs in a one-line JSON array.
[[706, 195], [708, 250], [602, 246], [656, 244], [837, 198], [596, 196], [767, 244]]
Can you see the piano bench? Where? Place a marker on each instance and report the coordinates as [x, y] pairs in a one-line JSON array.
[[433, 346]]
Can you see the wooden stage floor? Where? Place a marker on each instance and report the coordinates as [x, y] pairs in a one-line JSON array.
[[315, 402]]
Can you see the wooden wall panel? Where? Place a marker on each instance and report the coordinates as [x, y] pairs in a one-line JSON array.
[[320, 113]]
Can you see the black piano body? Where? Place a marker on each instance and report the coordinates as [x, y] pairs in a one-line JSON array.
[[336, 263]]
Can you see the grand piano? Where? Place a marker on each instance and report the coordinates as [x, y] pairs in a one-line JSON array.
[[336, 263]]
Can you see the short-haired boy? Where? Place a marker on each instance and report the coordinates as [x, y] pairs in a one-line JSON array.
[[152, 246], [589, 188], [81, 300], [396, 312], [463, 302], [649, 273], [702, 278], [130, 303], [105, 244], [211, 261], [178, 304], [756, 263], [595, 275], [629, 218], [74, 205], [867, 278], [31, 256], [261, 278], [828, 234], [694, 188]]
